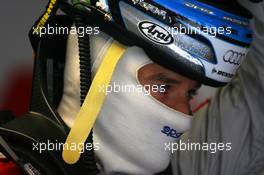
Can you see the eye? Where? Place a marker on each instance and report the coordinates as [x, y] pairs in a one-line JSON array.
[[192, 93], [164, 88]]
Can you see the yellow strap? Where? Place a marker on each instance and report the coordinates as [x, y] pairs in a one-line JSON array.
[[92, 103]]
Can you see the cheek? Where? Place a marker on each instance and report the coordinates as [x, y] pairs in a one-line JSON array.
[[163, 98], [160, 96], [173, 99]]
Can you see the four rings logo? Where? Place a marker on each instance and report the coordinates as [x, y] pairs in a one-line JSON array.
[[155, 33], [233, 57]]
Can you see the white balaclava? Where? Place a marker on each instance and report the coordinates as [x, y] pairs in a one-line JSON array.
[[132, 127]]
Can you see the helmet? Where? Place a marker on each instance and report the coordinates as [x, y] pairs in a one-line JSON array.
[[203, 40]]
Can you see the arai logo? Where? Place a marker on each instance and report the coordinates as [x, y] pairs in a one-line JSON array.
[[155, 32]]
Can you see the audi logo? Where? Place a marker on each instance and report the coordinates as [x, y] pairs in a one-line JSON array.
[[233, 57]]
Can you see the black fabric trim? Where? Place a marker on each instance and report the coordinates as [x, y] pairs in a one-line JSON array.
[[60, 20], [21, 133], [49, 47], [115, 11], [6, 116]]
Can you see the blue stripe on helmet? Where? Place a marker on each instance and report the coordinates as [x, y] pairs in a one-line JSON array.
[[206, 19]]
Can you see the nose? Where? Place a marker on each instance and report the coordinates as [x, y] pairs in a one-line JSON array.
[[179, 102]]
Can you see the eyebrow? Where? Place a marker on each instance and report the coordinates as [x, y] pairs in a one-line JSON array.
[[165, 79]]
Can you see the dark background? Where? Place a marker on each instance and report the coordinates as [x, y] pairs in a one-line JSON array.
[[16, 61]]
